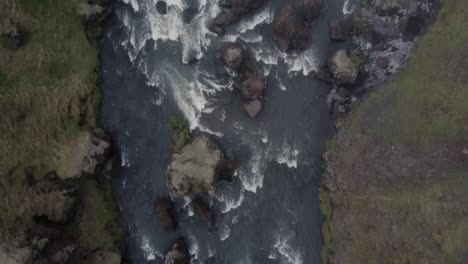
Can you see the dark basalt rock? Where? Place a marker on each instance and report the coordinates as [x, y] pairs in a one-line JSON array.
[[233, 54], [178, 253], [253, 86], [232, 12], [311, 9], [227, 170], [161, 6], [13, 36], [163, 208], [290, 31], [203, 211], [338, 32], [253, 108]]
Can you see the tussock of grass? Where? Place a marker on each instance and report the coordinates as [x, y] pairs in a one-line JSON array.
[[325, 208]]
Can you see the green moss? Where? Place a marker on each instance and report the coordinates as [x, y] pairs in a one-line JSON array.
[[357, 60], [181, 134], [325, 208]]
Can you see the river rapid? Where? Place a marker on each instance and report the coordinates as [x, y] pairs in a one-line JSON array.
[[269, 213]]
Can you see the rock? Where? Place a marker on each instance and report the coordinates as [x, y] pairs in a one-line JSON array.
[[253, 108], [323, 74], [253, 86], [233, 54], [94, 14], [337, 32], [290, 31], [311, 9], [161, 6], [163, 208], [12, 36], [178, 254], [227, 170], [90, 151], [232, 12], [203, 211], [394, 7], [104, 257], [188, 14], [53, 206], [195, 169], [13, 255], [342, 67]]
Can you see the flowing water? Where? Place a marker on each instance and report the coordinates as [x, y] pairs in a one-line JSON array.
[[269, 213]]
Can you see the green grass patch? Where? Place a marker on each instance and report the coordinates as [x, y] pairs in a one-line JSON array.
[[180, 131]]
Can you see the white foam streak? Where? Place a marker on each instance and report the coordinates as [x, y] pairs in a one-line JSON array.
[[288, 156], [150, 252], [348, 7], [288, 254]]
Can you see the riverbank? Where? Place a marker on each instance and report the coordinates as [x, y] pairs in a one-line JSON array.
[[56, 197], [396, 170]]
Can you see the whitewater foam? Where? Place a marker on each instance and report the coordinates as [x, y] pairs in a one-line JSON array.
[[348, 7], [224, 232], [148, 250], [288, 156], [288, 254]]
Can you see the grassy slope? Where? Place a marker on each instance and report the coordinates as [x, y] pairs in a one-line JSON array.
[[42, 87], [400, 189]]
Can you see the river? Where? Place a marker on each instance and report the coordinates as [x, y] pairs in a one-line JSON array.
[[270, 212]]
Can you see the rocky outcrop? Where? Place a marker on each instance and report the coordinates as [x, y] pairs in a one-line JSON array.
[[178, 253], [311, 9], [15, 255], [232, 11], [233, 55], [203, 211], [163, 208], [91, 150], [338, 31], [105, 257], [290, 30], [12, 35], [253, 86], [93, 14], [342, 67], [253, 107], [195, 169]]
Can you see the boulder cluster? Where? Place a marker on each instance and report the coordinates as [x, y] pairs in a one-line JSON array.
[[232, 11], [251, 82]]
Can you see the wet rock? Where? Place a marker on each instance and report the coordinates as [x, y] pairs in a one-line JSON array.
[[227, 170], [233, 54], [188, 14], [161, 6], [394, 7], [253, 108], [323, 74], [338, 32], [312, 9], [343, 92], [163, 208], [12, 36], [178, 253], [253, 86], [203, 211], [232, 11], [342, 67], [195, 169], [105, 257], [290, 31]]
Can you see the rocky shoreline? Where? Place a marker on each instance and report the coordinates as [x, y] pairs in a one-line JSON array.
[[62, 213]]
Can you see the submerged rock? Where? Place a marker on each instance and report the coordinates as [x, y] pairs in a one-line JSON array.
[[253, 108], [338, 32], [232, 11], [233, 54], [163, 208], [194, 169], [161, 6], [311, 9], [178, 254], [290, 31], [188, 14], [253, 86], [342, 67], [203, 211]]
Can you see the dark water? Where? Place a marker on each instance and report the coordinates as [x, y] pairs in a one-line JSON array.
[[269, 213]]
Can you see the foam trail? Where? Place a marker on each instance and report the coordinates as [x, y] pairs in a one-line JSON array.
[[348, 7]]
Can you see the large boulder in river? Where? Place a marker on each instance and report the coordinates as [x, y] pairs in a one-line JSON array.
[[342, 67], [253, 86], [253, 108], [290, 31], [195, 168], [233, 54], [178, 253], [163, 208], [311, 9], [338, 31], [232, 11]]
